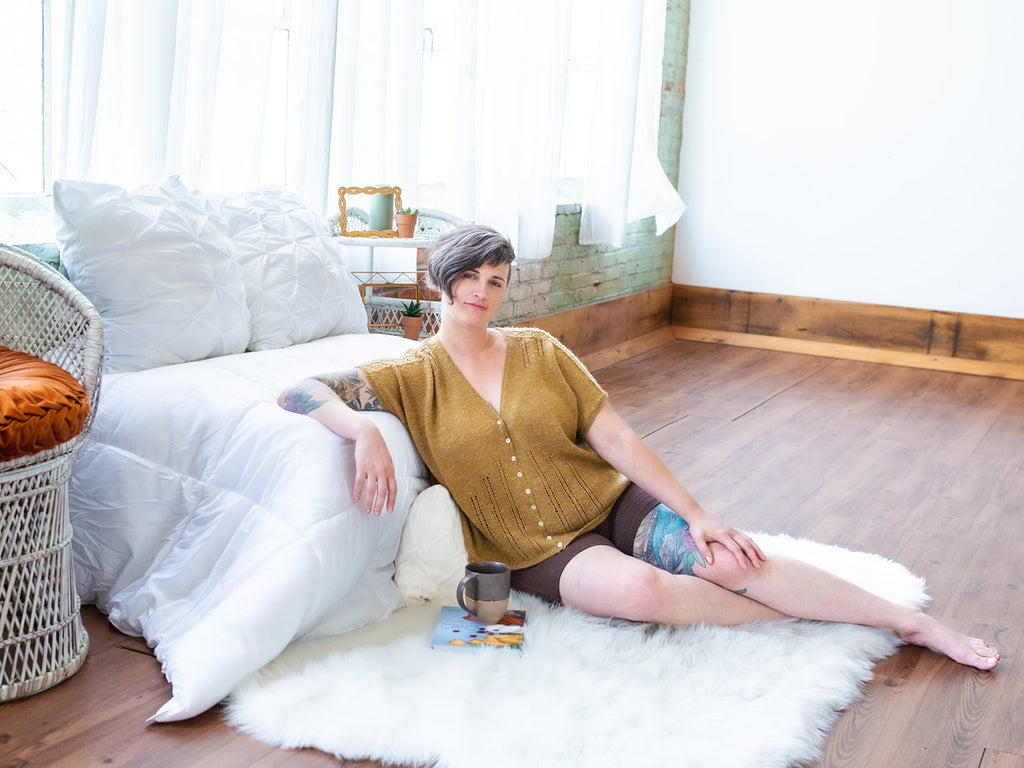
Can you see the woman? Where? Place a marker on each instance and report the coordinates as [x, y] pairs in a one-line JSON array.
[[550, 480]]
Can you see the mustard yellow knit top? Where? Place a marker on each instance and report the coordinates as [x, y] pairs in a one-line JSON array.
[[525, 479]]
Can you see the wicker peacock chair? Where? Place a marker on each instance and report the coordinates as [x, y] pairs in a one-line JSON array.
[[42, 640]]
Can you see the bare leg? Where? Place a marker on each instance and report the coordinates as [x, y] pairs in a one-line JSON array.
[[605, 582], [803, 590], [795, 588]]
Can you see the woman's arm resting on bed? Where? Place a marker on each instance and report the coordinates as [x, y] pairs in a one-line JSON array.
[[336, 401]]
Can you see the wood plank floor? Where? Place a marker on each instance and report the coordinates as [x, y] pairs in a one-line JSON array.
[[923, 467]]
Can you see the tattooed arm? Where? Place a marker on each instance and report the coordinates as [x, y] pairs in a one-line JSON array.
[[350, 386], [338, 401]]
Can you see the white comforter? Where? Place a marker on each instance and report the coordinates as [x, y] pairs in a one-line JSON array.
[[221, 527]]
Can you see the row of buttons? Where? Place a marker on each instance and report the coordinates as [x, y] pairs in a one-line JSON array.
[[508, 441]]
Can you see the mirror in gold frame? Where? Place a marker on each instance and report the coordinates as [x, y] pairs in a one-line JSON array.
[[345, 226]]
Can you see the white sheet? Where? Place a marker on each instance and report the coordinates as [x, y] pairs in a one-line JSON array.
[[221, 527]]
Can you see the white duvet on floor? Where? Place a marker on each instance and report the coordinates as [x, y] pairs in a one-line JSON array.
[[220, 527]]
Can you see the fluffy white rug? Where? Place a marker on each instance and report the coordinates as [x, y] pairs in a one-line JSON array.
[[585, 692]]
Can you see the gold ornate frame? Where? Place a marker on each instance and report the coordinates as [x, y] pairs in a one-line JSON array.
[[343, 216]]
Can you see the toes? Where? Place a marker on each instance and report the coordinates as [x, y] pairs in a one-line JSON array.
[[983, 648], [988, 657]]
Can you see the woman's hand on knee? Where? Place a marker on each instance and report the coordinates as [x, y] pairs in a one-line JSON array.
[[738, 543]]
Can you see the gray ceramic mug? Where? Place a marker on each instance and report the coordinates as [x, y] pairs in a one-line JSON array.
[[483, 592]]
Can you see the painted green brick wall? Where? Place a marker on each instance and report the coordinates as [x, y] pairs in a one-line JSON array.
[[576, 274]]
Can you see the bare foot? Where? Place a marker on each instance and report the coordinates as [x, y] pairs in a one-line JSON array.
[[924, 630]]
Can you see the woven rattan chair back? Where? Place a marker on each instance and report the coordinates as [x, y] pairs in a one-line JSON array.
[[42, 640]]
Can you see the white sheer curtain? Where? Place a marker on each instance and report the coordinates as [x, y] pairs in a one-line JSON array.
[[191, 87], [377, 93], [624, 180], [145, 90], [160, 87], [507, 107], [508, 101]]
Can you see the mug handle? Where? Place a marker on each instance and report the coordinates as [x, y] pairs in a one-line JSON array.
[[460, 590]]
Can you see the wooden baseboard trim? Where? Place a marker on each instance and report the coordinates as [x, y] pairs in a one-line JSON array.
[[611, 331], [961, 342], [852, 352], [627, 349], [607, 332]]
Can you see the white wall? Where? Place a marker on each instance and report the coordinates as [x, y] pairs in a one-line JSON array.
[[869, 152]]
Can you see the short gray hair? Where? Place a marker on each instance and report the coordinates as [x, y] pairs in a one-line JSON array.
[[464, 249]]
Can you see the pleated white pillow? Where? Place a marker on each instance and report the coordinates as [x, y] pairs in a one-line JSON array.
[[157, 264], [298, 286]]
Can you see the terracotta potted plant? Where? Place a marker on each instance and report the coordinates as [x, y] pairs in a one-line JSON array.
[[412, 319], [405, 221]]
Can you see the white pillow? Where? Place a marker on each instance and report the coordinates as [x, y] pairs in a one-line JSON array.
[[157, 265], [298, 287], [432, 554]]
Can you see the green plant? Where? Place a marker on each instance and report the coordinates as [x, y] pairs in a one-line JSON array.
[[407, 212], [412, 309]]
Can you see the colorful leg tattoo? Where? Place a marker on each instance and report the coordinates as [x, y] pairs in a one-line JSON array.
[[664, 541]]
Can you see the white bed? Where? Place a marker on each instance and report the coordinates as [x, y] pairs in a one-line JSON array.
[[221, 527], [207, 519]]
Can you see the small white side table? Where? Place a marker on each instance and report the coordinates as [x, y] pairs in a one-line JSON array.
[[379, 278], [386, 242], [383, 313]]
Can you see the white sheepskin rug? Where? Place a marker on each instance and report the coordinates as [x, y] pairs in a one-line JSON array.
[[585, 692]]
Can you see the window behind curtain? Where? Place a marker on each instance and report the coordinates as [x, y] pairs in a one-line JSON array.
[[27, 148], [437, 74], [275, 139], [30, 108], [26, 138], [31, 68], [24, 159]]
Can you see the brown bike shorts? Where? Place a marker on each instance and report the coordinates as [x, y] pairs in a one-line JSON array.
[[617, 530]]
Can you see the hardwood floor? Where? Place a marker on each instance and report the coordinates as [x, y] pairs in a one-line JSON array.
[[923, 467]]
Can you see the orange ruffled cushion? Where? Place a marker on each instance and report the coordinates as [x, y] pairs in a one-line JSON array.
[[41, 405]]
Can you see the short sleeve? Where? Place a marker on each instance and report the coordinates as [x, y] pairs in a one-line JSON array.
[[385, 381], [590, 396]]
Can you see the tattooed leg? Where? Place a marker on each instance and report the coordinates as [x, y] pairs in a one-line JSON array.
[[664, 540], [789, 587]]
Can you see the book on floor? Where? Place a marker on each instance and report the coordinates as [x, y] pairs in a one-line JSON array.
[[456, 631]]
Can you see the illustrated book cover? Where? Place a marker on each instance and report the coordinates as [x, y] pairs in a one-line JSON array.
[[456, 631]]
